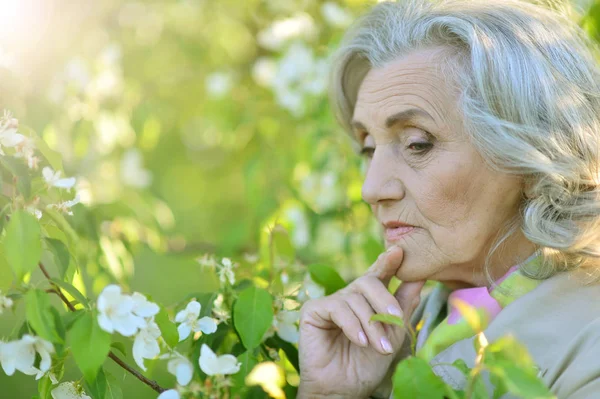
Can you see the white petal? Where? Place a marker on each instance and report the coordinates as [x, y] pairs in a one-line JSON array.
[[207, 325], [111, 294], [138, 351], [142, 306], [170, 394], [184, 331], [25, 354], [48, 174], [184, 372], [12, 140], [181, 316], [288, 332], [127, 325], [65, 183], [228, 364], [8, 357], [67, 390], [105, 323], [289, 317], [44, 350], [208, 360], [194, 308]]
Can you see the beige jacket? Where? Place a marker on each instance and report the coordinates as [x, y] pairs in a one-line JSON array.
[[559, 322]]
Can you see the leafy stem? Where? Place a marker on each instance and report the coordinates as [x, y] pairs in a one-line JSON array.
[[151, 383]]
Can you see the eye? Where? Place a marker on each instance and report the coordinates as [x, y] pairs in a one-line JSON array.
[[420, 147]]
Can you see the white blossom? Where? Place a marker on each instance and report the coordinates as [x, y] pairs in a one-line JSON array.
[[68, 390], [53, 179], [264, 71], [20, 355], [170, 394], [285, 325], [207, 261], [282, 31], [65, 206], [180, 366], [116, 312], [212, 364], [220, 311], [9, 136], [310, 289], [34, 211], [5, 303], [298, 76], [132, 170], [142, 306], [189, 321], [26, 149], [335, 15], [145, 345], [226, 271], [218, 84]]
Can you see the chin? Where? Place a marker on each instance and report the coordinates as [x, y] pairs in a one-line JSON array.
[[414, 272]]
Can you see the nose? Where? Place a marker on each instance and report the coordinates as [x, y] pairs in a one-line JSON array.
[[383, 181]]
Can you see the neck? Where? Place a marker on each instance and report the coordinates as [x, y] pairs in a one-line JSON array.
[[514, 252]]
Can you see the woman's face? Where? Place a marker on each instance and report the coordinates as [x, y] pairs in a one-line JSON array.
[[424, 172]]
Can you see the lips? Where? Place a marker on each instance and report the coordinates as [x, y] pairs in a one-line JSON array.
[[395, 230]]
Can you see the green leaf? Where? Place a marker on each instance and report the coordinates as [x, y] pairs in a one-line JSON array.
[[326, 277], [74, 292], [39, 316], [120, 346], [521, 382], [248, 360], [90, 345], [113, 389], [21, 172], [22, 245], [253, 315], [414, 378], [290, 350], [61, 255], [44, 388], [54, 158], [105, 386], [388, 319], [60, 330], [167, 328], [282, 245]]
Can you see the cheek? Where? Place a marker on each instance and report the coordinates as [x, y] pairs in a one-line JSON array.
[[464, 205], [445, 193]]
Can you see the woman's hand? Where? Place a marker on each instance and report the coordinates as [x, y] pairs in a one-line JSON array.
[[342, 354]]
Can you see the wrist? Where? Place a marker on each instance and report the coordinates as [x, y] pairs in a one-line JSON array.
[[312, 392]]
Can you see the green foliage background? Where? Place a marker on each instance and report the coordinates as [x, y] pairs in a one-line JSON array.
[[182, 85]]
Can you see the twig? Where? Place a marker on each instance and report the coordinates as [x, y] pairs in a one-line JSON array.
[[152, 384]]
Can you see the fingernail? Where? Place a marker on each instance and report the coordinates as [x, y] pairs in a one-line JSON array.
[[394, 310], [386, 345], [362, 338]]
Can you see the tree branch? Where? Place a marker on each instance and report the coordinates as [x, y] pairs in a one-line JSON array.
[[152, 384]]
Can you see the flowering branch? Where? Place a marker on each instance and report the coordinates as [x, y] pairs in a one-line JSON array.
[[152, 384]]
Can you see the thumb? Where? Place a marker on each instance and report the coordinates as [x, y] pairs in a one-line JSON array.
[[408, 296]]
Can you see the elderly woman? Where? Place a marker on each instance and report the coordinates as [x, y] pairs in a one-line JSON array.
[[480, 122]]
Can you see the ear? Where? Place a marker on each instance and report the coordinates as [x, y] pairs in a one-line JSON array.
[[527, 188]]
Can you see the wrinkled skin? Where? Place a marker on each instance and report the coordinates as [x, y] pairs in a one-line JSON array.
[[425, 172]]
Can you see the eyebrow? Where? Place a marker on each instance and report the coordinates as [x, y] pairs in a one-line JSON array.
[[403, 116]]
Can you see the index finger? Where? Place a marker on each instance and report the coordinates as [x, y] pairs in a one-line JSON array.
[[387, 264]]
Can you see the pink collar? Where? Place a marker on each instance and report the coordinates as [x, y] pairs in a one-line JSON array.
[[478, 297]]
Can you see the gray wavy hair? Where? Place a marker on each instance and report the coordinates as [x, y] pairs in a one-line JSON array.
[[530, 100]]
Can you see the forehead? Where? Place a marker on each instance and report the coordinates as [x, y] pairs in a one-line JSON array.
[[413, 81]]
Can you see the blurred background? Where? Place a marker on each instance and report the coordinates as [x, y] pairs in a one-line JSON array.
[[191, 125]]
